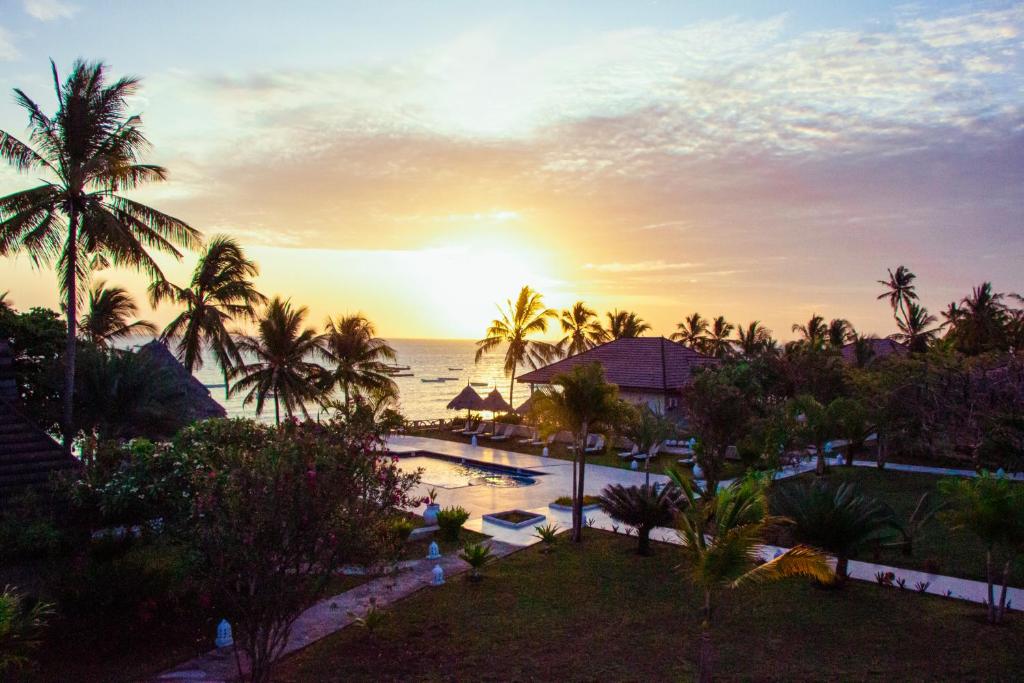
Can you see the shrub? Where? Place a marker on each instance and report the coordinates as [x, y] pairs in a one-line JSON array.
[[477, 555], [450, 521], [642, 507], [548, 534], [28, 530], [567, 500], [22, 621]]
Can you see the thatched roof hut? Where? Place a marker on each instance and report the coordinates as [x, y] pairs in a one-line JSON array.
[[495, 403], [201, 405], [467, 399]]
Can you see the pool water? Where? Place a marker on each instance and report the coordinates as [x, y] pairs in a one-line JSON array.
[[451, 475]]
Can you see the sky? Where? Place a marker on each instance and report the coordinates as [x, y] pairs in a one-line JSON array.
[[420, 161]]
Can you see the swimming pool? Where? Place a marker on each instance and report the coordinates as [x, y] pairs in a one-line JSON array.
[[448, 474]]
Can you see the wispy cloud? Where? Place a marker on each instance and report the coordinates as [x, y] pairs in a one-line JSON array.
[[7, 50], [50, 10], [638, 267]]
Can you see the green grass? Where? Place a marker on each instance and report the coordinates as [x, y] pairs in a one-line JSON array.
[[567, 500], [417, 548], [939, 549], [601, 612]]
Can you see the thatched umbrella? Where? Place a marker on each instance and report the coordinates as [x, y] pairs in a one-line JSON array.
[[467, 400], [495, 403]]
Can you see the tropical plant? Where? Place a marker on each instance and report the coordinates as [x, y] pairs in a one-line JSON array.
[[625, 324], [220, 292], [642, 507], [548, 535], [477, 556], [837, 519], [357, 358], [282, 369], [812, 424], [646, 428], [915, 330], [979, 323], [720, 535], [276, 512], [692, 331], [840, 331], [22, 622], [900, 290], [580, 402], [923, 513], [582, 330], [90, 151], [753, 339], [372, 619], [851, 419], [717, 343], [719, 416], [450, 521], [124, 394], [526, 317], [813, 333], [107, 314], [992, 508], [863, 350]]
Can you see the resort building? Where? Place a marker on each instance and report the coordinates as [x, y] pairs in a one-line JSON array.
[[651, 370]]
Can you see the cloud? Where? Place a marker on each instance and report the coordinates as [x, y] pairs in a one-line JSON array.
[[50, 10], [7, 50], [638, 267]]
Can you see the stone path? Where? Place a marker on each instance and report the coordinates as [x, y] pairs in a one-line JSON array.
[[332, 614]]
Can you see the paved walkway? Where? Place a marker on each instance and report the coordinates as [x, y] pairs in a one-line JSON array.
[[332, 614]]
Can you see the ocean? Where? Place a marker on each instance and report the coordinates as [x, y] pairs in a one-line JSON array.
[[426, 358]]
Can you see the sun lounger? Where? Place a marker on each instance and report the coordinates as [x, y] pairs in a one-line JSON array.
[[653, 453], [632, 453], [503, 433], [597, 446], [543, 442], [533, 436], [479, 431], [591, 440], [466, 426]]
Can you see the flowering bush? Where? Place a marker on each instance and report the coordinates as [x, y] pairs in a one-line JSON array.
[[276, 512]]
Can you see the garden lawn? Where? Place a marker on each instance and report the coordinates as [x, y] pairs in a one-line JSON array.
[[939, 549], [601, 612]]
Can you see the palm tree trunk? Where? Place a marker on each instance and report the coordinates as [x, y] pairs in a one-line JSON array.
[[577, 504], [277, 410], [511, 386], [1002, 593], [842, 568], [819, 468], [227, 394], [705, 664], [991, 592], [70, 348]]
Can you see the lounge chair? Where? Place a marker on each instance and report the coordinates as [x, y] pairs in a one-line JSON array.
[[632, 453], [479, 431], [466, 426], [653, 453], [544, 442], [591, 440], [504, 433], [533, 436], [597, 446]]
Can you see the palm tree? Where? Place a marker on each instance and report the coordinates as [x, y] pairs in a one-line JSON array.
[[625, 325], [221, 291], [583, 402], [717, 342], [691, 332], [915, 330], [641, 507], [753, 339], [106, 317], [358, 357], [814, 333], [840, 331], [89, 150], [527, 316], [979, 322], [720, 534], [863, 350], [900, 290], [836, 519], [583, 331], [282, 367]]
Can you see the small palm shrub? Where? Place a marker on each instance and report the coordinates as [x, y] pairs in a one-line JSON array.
[[477, 555], [910, 531], [22, 622], [372, 619], [641, 507], [450, 521], [548, 535], [837, 519]]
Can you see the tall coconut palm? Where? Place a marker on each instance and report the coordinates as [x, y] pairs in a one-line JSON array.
[[220, 292], [581, 403], [88, 151], [527, 316], [717, 343], [753, 339], [625, 325], [357, 358], [979, 322], [720, 535], [692, 331], [283, 368], [813, 334], [107, 316], [583, 331], [840, 331], [915, 330], [900, 290]]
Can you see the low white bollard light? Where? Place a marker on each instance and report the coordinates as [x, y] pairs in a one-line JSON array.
[[434, 552], [473, 441], [438, 575], [545, 452], [634, 465], [224, 637]]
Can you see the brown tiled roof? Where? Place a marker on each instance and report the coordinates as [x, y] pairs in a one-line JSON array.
[[881, 348], [638, 363]]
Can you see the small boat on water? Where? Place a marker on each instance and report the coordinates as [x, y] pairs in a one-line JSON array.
[[448, 379], [439, 379], [454, 369], [401, 374], [396, 368], [478, 384]]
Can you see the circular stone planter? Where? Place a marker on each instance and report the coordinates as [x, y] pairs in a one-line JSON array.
[[568, 508], [514, 519]]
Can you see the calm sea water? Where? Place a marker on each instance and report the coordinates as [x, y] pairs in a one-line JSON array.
[[426, 358]]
